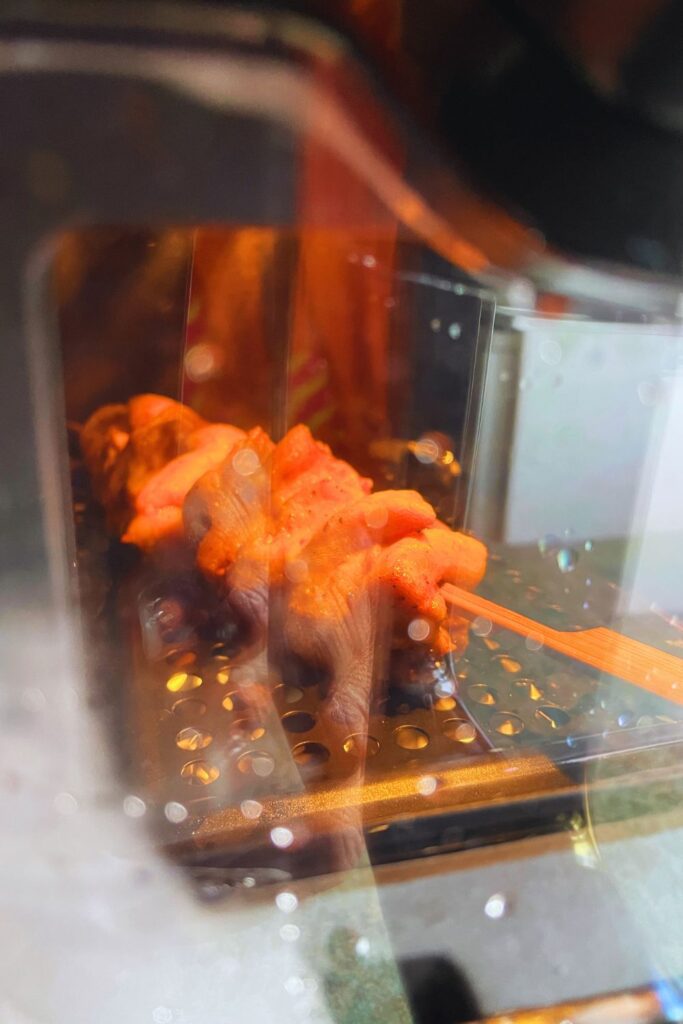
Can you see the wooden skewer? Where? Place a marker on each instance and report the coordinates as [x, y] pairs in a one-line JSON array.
[[638, 663]]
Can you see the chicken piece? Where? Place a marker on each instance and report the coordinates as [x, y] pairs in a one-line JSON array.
[[158, 506], [372, 570], [143, 457], [252, 517]]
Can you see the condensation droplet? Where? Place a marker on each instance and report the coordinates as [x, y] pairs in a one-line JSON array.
[[376, 517], [251, 809], [281, 837], [295, 985], [162, 1015], [588, 546], [481, 626], [435, 324], [648, 393], [65, 803], [427, 785], [427, 450], [246, 462], [133, 806], [495, 906], [444, 688], [454, 331], [363, 946], [551, 351], [286, 902], [202, 361], [297, 570], [175, 812], [289, 932], [369, 261], [419, 630], [534, 642], [249, 882], [566, 559]]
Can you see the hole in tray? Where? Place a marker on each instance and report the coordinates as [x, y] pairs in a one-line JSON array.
[[199, 773], [481, 694], [309, 755], [256, 762], [298, 721], [507, 724], [288, 694], [193, 739], [409, 737], [234, 701], [250, 730], [189, 707], [459, 730], [552, 716], [180, 682], [359, 743]]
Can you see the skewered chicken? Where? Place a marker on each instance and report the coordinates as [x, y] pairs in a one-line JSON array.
[[290, 535], [253, 516], [144, 457]]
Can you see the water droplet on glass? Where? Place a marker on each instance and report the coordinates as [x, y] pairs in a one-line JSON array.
[[369, 261], [281, 837], [435, 324], [376, 517], [504, 376], [625, 719], [534, 642], [419, 630], [289, 932], [286, 902], [566, 559], [295, 985], [162, 1015], [363, 946], [248, 882], [444, 688], [588, 546], [175, 812], [551, 351], [427, 450], [133, 806], [549, 544], [296, 570], [481, 626], [648, 392], [251, 809], [454, 331], [495, 906], [202, 361], [65, 803], [426, 786], [585, 606], [246, 462]]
